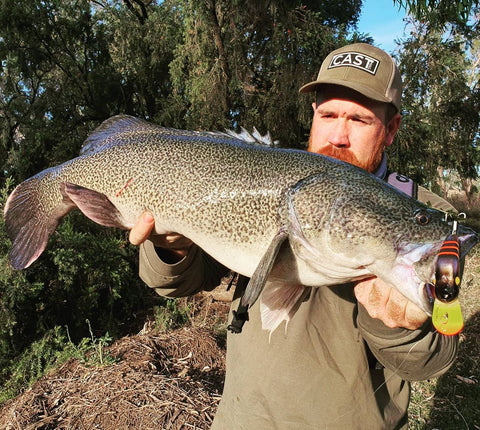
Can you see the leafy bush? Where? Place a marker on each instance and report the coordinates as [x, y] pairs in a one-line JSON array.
[[53, 348], [86, 273], [173, 314]]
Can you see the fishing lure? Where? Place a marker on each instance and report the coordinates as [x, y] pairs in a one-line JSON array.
[[447, 273], [447, 314]]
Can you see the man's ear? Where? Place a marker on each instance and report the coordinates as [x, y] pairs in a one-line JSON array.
[[392, 128]]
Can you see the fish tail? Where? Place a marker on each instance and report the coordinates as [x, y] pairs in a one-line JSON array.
[[31, 216]]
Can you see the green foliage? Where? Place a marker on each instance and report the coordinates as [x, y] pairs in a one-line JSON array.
[[92, 349], [67, 65], [439, 132], [141, 52], [172, 314], [242, 63], [438, 13], [52, 350], [87, 272]]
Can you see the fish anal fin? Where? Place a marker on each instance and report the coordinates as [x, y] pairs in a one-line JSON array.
[[260, 276], [94, 205], [279, 303]]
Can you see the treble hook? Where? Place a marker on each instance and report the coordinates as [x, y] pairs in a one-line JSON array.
[[454, 220]]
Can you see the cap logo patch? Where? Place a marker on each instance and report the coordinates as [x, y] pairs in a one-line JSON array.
[[355, 59]]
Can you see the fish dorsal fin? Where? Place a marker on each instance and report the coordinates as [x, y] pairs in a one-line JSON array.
[[254, 138], [100, 137]]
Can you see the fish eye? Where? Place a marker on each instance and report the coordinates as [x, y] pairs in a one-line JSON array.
[[422, 218]]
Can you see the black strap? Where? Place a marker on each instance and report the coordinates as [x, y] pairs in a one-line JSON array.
[[240, 316]]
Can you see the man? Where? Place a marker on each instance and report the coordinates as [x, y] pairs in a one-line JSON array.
[[349, 349]]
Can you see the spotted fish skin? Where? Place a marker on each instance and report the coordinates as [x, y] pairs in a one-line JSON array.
[[248, 206]]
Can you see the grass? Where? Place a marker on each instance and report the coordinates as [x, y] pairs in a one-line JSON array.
[[173, 314]]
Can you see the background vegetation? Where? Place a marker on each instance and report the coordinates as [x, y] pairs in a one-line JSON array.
[[66, 65]]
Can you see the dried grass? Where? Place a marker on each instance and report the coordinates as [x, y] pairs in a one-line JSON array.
[[161, 381]]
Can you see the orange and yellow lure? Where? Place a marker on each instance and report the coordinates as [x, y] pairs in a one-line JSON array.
[[447, 314]]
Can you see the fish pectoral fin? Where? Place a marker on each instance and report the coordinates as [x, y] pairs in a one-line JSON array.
[[259, 277], [94, 205], [279, 303]]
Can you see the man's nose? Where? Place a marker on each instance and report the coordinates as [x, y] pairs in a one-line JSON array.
[[339, 134]]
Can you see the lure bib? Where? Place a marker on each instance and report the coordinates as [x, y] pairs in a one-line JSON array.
[[447, 317]]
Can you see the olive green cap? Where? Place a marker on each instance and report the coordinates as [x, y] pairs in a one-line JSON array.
[[363, 68]]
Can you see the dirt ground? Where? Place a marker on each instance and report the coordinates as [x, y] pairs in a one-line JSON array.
[[165, 381], [161, 381]]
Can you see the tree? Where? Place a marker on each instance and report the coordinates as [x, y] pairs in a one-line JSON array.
[[242, 63], [439, 13], [441, 108], [66, 65], [56, 78], [60, 77]]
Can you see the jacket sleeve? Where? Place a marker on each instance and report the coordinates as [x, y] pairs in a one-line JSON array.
[[412, 354], [196, 272]]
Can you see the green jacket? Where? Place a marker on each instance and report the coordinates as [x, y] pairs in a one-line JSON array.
[[333, 367]]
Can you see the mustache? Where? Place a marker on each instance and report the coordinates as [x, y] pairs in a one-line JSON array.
[[344, 154]]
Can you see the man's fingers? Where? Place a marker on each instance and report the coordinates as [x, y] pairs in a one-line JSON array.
[[404, 313], [142, 229], [415, 316], [387, 304]]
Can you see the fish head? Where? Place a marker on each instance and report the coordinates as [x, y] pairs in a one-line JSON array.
[[417, 249], [353, 230]]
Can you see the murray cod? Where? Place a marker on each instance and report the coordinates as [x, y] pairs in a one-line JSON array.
[[285, 218]]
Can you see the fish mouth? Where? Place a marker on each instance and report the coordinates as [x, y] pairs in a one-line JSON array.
[[468, 238], [429, 293], [427, 296], [417, 271]]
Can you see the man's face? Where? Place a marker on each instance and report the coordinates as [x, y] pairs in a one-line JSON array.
[[351, 128]]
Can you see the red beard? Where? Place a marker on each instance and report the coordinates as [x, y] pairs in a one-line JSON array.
[[346, 155]]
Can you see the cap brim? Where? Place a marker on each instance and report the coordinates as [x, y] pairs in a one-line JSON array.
[[364, 90]]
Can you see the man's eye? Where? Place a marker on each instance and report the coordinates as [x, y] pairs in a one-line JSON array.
[[359, 120]]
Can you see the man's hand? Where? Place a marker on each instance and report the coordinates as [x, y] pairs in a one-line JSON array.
[[142, 229], [385, 303], [174, 243]]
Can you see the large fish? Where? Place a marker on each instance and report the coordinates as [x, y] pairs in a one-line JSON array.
[[288, 217]]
